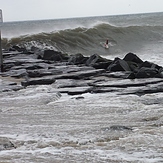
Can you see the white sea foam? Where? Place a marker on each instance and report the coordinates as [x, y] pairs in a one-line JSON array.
[[71, 129]]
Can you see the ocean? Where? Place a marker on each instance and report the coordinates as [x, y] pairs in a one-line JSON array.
[[48, 128], [141, 34]]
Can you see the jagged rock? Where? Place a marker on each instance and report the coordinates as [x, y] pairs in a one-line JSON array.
[[95, 58], [118, 65], [54, 55], [77, 59], [150, 65], [17, 48], [131, 57], [98, 62], [96, 74], [102, 65], [145, 72], [160, 73]]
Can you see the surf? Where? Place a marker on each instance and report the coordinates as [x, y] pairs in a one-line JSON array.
[[87, 35]]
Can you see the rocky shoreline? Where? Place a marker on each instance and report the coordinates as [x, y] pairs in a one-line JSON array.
[[77, 74]]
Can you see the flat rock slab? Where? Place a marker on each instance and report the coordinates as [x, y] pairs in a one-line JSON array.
[[75, 90], [127, 82], [71, 83], [80, 74], [38, 81], [10, 84]]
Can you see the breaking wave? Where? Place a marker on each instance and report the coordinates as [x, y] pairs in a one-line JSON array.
[[87, 40]]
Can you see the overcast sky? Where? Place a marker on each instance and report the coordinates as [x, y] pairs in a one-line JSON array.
[[19, 10]]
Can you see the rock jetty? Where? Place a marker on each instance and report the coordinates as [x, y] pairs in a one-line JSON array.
[[78, 74]]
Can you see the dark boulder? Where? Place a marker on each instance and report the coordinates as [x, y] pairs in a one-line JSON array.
[[131, 76], [146, 72], [102, 65], [53, 56], [17, 48], [77, 59], [160, 73], [150, 65], [134, 66], [131, 57], [118, 65], [95, 58]]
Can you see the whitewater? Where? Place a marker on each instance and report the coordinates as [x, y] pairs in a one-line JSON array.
[[141, 33], [46, 126]]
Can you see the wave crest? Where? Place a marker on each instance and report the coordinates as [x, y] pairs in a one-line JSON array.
[[87, 40]]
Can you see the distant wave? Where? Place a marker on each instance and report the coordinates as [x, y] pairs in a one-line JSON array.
[[87, 40]]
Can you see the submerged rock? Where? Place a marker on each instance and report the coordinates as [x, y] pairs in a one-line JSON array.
[[6, 144], [117, 128]]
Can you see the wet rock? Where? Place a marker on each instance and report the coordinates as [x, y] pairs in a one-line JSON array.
[[150, 65], [120, 128], [17, 73], [6, 144], [131, 57], [77, 59], [150, 119], [118, 65], [42, 72], [78, 74], [17, 48], [32, 67], [102, 65], [8, 88], [98, 62], [38, 73], [94, 59], [54, 56], [145, 72], [117, 128], [38, 81], [79, 90], [71, 83], [161, 73], [79, 98]]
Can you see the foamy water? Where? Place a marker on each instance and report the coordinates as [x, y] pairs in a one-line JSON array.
[[48, 128]]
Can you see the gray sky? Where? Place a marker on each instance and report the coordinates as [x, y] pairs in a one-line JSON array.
[[17, 10]]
